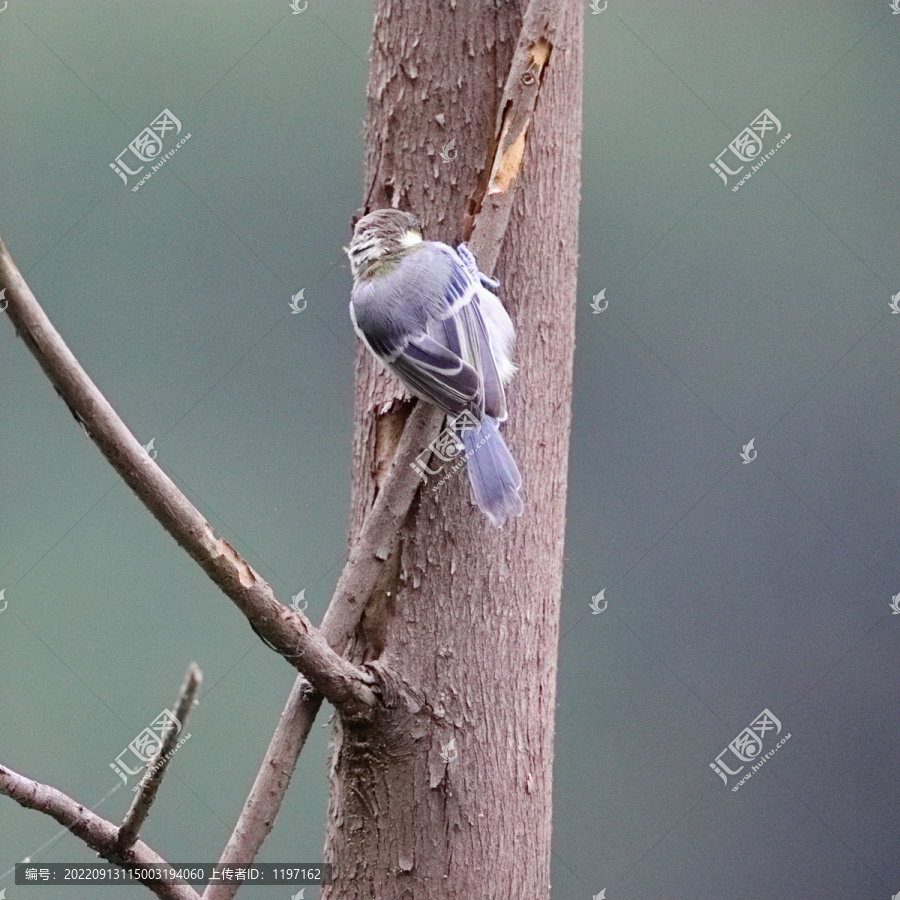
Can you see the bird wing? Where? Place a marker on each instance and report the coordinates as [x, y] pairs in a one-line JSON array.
[[436, 373]]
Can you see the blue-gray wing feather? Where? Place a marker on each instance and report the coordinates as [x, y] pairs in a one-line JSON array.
[[436, 342]]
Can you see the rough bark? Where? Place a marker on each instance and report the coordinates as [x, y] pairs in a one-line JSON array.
[[462, 638]]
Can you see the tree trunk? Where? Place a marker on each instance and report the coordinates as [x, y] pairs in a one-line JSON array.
[[463, 634]]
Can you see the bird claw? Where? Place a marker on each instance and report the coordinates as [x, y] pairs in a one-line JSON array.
[[469, 261]]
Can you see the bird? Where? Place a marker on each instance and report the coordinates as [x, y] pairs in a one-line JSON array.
[[430, 316]]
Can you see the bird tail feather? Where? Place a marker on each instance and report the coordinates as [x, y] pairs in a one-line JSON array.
[[493, 472]]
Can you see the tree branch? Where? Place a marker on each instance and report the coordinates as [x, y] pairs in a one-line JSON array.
[[257, 817], [516, 110], [361, 572], [149, 785], [98, 833], [288, 633]]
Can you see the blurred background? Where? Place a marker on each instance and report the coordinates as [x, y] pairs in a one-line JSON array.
[[735, 577]]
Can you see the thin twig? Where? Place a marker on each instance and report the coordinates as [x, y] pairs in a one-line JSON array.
[[272, 781], [369, 553], [149, 784], [98, 833], [288, 633], [362, 570]]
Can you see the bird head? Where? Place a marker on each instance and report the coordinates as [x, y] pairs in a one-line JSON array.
[[378, 235]]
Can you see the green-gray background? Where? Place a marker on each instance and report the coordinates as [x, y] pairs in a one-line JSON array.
[[759, 314]]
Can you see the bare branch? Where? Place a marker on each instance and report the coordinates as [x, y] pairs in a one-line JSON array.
[[98, 833], [288, 633], [516, 108], [361, 572], [259, 811], [374, 545], [341, 682], [149, 785]]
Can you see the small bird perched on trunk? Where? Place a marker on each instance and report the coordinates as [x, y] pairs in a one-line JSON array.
[[429, 315]]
